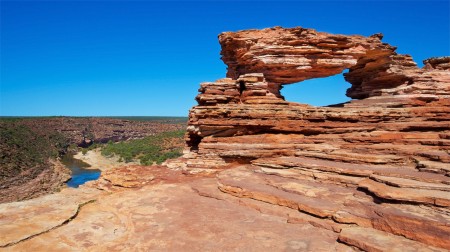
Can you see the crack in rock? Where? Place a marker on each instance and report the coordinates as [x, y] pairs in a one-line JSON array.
[[53, 228]]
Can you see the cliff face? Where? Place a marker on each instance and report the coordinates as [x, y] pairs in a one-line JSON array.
[[381, 162], [28, 161]]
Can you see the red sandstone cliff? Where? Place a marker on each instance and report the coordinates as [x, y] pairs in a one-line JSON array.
[[381, 162], [371, 175]]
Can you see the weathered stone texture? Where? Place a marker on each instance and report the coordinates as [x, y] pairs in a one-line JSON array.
[[372, 174], [381, 162]]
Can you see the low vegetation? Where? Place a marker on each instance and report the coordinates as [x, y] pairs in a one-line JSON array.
[[25, 150], [148, 150]]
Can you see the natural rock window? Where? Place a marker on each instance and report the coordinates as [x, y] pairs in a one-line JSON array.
[[380, 161], [319, 91]]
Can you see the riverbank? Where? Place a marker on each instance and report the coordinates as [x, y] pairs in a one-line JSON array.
[[97, 161]]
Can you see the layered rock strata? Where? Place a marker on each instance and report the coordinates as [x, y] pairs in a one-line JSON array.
[[380, 163], [139, 208]]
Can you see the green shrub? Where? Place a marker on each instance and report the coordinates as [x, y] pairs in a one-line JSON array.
[[93, 146], [148, 150]]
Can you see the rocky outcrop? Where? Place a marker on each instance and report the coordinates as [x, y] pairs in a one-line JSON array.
[[261, 173], [380, 162], [154, 208], [441, 63], [177, 213], [286, 56]]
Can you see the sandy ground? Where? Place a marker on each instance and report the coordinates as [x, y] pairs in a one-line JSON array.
[[95, 159]]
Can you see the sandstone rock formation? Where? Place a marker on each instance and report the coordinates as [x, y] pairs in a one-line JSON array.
[[177, 213], [261, 173], [157, 209], [381, 163]]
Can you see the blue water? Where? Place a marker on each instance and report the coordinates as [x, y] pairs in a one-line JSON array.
[[80, 171]]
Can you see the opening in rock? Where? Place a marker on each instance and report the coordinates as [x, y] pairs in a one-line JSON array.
[[241, 87], [193, 141], [318, 92]]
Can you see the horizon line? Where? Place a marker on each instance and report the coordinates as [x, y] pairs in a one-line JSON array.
[[87, 116]]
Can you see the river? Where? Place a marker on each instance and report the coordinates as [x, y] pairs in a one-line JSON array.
[[80, 171]]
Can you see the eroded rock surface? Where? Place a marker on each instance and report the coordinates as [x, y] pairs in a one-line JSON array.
[[291, 55], [243, 208], [287, 56], [169, 212], [21, 221], [381, 163], [261, 173]]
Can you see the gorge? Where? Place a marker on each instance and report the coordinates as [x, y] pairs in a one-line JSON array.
[[261, 173], [32, 148]]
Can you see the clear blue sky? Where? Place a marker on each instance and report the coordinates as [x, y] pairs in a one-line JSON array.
[[147, 58]]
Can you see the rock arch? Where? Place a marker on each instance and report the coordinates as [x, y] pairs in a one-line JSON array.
[[264, 60], [390, 142], [286, 56]]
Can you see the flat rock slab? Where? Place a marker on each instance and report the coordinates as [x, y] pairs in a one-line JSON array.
[[360, 170], [166, 210], [23, 220], [173, 217], [345, 205], [423, 196], [369, 239]]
